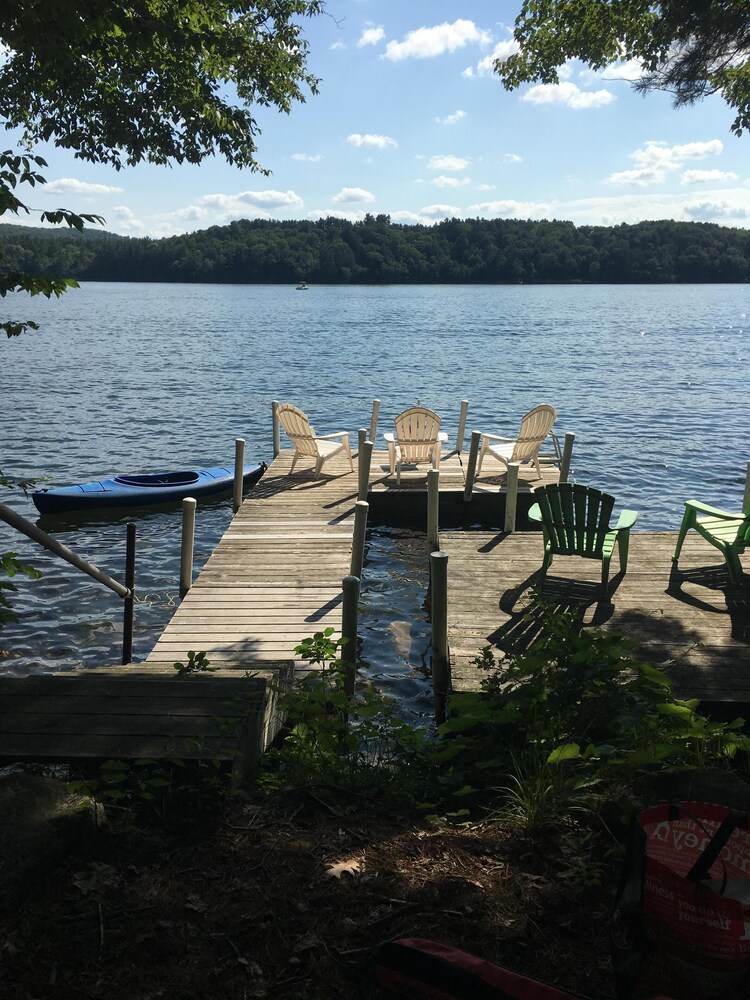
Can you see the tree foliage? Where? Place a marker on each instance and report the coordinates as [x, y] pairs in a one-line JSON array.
[[690, 48], [378, 251], [155, 80]]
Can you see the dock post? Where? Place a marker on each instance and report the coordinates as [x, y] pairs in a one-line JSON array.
[[746, 495], [462, 425], [364, 461], [511, 497], [433, 509], [471, 468], [239, 471], [349, 609], [441, 674], [188, 542], [374, 420], [566, 457], [276, 429], [129, 601], [361, 509]]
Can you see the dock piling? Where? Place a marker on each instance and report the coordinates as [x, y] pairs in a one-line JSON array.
[[188, 544], [566, 457], [441, 680], [462, 425], [374, 419], [364, 461], [349, 611], [511, 497], [433, 508], [239, 471], [361, 509], [471, 467], [129, 601], [276, 428]]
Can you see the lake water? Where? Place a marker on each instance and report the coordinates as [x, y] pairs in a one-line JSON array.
[[652, 379]]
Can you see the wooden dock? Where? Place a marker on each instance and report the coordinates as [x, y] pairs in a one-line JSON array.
[[276, 577], [691, 616]]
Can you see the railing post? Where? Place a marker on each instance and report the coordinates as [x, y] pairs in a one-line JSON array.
[[364, 461], [441, 674], [239, 472], [433, 508], [276, 429], [566, 457], [511, 496], [462, 425], [129, 601], [374, 420], [361, 438], [746, 495], [471, 467], [186, 549], [349, 610], [361, 508]]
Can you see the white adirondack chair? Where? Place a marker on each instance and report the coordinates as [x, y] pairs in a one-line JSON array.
[[535, 428], [417, 439], [302, 434]]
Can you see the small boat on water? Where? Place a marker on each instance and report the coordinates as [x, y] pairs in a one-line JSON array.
[[141, 490], [302, 286]]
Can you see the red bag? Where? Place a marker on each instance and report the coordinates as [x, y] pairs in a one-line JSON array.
[[426, 970], [686, 893]]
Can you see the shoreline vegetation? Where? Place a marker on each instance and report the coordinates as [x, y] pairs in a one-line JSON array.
[[377, 251]]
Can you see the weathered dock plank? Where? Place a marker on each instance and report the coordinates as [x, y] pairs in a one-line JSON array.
[[690, 616]]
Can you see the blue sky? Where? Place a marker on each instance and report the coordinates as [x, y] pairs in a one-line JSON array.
[[411, 121]]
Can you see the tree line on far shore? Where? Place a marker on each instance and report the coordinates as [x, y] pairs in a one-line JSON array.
[[378, 251]]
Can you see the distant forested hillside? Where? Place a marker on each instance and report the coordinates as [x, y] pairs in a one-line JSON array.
[[379, 251]]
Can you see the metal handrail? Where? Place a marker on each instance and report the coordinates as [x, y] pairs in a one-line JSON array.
[[28, 528]]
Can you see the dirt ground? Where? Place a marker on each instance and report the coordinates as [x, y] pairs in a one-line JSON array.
[[291, 898]]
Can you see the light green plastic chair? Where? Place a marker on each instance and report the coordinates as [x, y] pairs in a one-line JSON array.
[[730, 533], [575, 522]]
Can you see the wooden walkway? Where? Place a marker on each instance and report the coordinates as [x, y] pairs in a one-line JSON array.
[[275, 576], [691, 616]]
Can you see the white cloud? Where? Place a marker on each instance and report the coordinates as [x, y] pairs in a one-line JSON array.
[[254, 204], [656, 160], [69, 185], [568, 94], [454, 182], [512, 158], [371, 141], [405, 217], [347, 195], [307, 157], [453, 163], [337, 45], [437, 212], [370, 36], [486, 66], [510, 209], [258, 199], [707, 176], [485, 187], [191, 213], [426, 43], [629, 70], [324, 213], [451, 119], [126, 219], [717, 211]]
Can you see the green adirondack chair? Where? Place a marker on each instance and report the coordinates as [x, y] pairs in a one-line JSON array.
[[575, 522], [730, 533]]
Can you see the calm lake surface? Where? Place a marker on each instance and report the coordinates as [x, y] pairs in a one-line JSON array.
[[652, 379]]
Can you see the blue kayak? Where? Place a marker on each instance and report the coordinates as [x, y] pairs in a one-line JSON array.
[[141, 491]]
